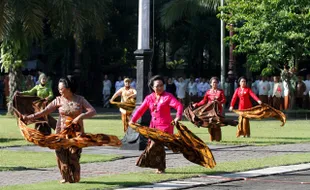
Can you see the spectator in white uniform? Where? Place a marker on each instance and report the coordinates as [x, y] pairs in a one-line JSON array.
[[277, 93], [263, 89], [271, 83], [106, 91], [307, 92], [119, 84], [192, 90], [133, 83], [202, 87], [181, 85]]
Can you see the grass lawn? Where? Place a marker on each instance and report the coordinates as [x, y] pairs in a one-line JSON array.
[[11, 136], [11, 160], [135, 179], [268, 132], [264, 132]]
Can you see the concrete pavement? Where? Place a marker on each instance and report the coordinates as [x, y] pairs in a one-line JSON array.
[[205, 180], [222, 153], [127, 164]]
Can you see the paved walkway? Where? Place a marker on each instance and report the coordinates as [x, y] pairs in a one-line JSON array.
[[221, 153], [127, 164], [206, 181]]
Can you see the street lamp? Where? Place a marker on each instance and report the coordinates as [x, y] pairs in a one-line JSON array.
[[133, 140], [223, 65], [143, 53]]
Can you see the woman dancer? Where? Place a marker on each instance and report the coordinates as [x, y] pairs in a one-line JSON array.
[[71, 108], [159, 103], [243, 93], [214, 94]]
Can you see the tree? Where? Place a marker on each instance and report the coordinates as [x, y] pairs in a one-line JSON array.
[[177, 10], [20, 24], [23, 22], [79, 20], [194, 30], [269, 32]]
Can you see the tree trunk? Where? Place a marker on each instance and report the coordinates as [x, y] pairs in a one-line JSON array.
[[165, 50], [77, 68], [14, 80]]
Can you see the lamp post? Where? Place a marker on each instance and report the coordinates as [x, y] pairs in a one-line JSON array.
[[133, 140], [231, 65], [223, 65], [143, 53], [232, 59]]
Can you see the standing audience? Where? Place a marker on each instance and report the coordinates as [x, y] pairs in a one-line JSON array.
[[106, 91]]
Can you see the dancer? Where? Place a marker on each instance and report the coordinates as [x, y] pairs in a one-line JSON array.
[[70, 107], [243, 93], [127, 93], [44, 91], [214, 94], [159, 103]]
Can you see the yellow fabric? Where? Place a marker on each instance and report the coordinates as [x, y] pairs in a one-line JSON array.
[[191, 146]]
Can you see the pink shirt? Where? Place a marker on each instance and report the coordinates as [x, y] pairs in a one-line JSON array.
[[160, 111]]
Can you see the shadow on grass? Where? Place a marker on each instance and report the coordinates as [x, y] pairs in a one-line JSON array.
[[284, 138], [19, 168], [272, 141], [8, 139], [258, 150], [117, 183], [197, 173]]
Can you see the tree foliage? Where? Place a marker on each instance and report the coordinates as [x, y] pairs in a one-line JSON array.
[[269, 32], [177, 10], [26, 22], [193, 33]]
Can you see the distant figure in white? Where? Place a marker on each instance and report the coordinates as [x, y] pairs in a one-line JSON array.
[[106, 91], [181, 85]]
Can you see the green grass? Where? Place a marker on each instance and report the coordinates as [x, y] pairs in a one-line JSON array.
[[11, 136], [23, 160], [264, 132], [268, 132], [135, 179]]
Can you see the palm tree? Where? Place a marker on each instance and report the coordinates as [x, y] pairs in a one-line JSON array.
[[23, 22], [20, 24], [195, 23], [78, 19], [177, 10]]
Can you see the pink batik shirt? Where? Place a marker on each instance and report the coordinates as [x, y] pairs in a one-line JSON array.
[[160, 111]]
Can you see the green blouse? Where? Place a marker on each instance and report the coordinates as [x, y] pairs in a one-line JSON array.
[[40, 91]]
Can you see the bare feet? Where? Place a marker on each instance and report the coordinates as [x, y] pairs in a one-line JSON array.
[[63, 181], [158, 171]]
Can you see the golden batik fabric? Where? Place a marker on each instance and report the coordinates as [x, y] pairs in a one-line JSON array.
[[262, 111], [129, 105], [70, 136], [207, 116], [185, 142]]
